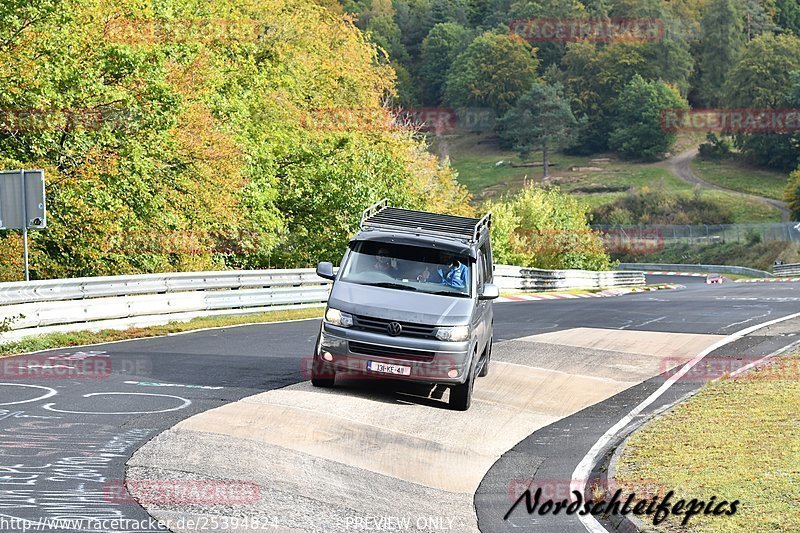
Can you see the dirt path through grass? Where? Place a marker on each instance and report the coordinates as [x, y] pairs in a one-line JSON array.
[[680, 166]]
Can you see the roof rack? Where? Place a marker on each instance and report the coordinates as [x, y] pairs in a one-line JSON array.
[[380, 216]]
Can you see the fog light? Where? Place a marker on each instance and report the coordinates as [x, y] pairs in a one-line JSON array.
[[327, 356], [452, 373]]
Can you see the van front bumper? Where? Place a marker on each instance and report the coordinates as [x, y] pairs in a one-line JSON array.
[[429, 360]]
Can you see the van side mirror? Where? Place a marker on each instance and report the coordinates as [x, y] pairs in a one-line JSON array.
[[325, 270], [490, 292]]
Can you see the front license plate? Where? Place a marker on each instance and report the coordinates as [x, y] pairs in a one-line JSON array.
[[386, 368]]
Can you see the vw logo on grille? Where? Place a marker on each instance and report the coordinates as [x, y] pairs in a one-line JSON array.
[[394, 329]]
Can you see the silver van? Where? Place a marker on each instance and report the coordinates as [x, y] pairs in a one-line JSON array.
[[412, 300]]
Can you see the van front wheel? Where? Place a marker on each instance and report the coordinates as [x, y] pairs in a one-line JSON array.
[[322, 375], [487, 358], [461, 395]]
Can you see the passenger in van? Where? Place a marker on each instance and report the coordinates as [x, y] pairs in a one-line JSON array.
[[451, 272], [454, 273]]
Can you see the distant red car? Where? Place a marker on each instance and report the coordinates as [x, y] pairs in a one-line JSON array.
[[714, 278]]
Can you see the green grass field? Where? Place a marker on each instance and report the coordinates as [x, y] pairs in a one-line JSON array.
[[739, 176], [597, 179], [736, 440]]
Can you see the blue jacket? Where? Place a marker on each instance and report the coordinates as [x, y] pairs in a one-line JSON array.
[[455, 277]]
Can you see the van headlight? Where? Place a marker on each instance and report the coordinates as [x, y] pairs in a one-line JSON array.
[[338, 318], [454, 333]]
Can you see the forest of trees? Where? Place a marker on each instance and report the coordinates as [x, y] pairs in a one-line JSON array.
[[198, 153], [195, 135], [711, 54], [255, 141]]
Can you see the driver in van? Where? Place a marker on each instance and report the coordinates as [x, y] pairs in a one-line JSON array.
[[384, 262]]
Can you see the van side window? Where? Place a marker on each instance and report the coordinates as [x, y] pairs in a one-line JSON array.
[[486, 262], [480, 270]]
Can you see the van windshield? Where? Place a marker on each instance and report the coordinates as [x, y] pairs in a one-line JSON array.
[[410, 268]]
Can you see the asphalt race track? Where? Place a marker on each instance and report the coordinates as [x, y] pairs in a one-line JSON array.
[[234, 404]]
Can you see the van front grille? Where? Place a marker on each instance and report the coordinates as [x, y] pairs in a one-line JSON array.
[[378, 325], [377, 350]]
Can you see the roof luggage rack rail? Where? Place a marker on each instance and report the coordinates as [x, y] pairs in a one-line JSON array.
[[380, 216]]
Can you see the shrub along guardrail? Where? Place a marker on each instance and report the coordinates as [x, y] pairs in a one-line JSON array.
[[120, 302]]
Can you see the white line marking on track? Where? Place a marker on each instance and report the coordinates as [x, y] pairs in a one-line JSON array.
[[645, 323], [580, 475], [50, 392], [746, 321], [186, 403]]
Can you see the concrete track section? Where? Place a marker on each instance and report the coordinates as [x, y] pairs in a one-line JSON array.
[[325, 459]]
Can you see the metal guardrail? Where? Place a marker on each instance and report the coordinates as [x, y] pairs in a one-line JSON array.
[[147, 299], [720, 269], [792, 269], [512, 277]]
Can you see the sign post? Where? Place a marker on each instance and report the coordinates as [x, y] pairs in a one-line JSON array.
[[22, 204]]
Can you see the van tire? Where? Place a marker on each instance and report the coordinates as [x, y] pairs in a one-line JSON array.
[[461, 395], [486, 360], [322, 375]]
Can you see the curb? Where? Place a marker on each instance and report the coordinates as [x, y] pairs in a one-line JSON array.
[[701, 275], [664, 273], [766, 280], [568, 296]]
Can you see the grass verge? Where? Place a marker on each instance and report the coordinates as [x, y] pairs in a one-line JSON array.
[[736, 439], [80, 338], [739, 176], [759, 255]]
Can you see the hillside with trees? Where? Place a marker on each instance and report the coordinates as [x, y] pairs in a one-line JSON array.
[[709, 54], [192, 135], [191, 152]]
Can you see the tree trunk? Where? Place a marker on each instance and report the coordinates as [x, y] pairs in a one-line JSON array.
[[544, 161]]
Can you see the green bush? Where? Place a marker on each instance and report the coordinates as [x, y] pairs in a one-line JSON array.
[[544, 228], [714, 148], [655, 205], [792, 194]]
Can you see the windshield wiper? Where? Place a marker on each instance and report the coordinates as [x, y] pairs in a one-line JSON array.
[[390, 285], [451, 293]]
